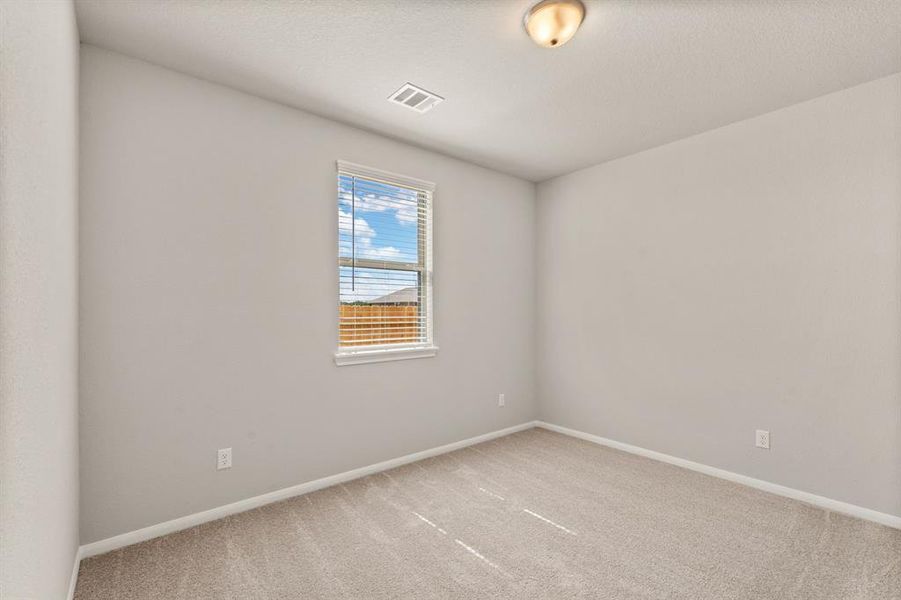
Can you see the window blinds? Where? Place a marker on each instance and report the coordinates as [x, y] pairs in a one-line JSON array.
[[384, 260]]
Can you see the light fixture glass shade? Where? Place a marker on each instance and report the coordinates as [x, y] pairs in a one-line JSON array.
[[552, 23]]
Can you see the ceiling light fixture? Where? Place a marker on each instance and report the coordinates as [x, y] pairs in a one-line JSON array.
[[552, 23]]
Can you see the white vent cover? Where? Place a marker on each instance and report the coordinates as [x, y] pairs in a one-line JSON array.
[[415, 98]]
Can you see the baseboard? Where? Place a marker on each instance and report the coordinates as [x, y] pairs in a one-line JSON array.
[[73, 579], [140, 535], [773, 488]]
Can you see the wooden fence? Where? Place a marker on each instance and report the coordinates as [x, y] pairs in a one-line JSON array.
[[369, 324]]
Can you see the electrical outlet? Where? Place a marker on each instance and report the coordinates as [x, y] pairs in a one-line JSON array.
[[762, 439], [224, 459], [500, 400]]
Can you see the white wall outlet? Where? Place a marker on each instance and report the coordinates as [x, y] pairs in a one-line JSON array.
[[500, 400], [762, 439], [224, 459]]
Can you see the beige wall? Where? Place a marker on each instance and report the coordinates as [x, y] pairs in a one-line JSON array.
[[209, 300], [748, 277], [38, 311]]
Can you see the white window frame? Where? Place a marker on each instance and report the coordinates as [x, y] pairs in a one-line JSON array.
[[391, 352]]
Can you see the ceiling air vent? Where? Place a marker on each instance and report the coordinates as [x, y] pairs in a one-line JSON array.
[[415, 98]]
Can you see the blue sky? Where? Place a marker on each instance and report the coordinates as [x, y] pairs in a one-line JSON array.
[[385, 225]]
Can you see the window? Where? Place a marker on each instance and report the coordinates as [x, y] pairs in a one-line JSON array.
[[384, 266]]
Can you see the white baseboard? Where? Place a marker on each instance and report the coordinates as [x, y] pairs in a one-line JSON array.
[[140, 535], [773, 488], [73, 579]]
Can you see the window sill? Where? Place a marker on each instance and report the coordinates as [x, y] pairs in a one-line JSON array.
[[359, 357]]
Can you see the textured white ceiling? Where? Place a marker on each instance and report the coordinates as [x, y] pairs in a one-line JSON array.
[[638, 74]]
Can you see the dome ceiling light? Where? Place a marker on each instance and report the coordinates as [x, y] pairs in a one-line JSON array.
[[552, 23]]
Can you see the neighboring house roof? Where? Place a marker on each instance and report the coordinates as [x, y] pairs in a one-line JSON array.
[[407, 295]]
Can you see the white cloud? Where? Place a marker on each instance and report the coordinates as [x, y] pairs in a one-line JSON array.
[[363, 233], [361, 229], [405, 210], [371, 203], [407, 215]]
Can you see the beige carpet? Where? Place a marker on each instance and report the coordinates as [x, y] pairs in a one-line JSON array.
[[532, 515]]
